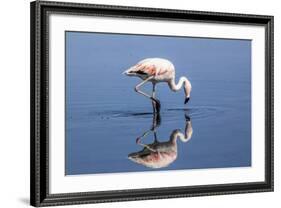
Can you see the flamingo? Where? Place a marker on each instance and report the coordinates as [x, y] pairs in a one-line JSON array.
[[161, 154], [157, 70]]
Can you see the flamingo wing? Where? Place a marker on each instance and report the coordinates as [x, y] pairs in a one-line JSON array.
[[144, 69]]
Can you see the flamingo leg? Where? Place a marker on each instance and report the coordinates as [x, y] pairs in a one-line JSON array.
[[156, 121], [153, 95], [137, 89]]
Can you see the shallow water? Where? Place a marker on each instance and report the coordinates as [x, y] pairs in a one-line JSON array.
[[104, 116]]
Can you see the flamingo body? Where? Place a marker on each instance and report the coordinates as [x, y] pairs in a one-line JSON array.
[[162, 70], [157, 70]]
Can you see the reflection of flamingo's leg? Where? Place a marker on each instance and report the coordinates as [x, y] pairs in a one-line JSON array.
[[143, 135], [148, 147], [156, 121], [155, 137], [137, 89]]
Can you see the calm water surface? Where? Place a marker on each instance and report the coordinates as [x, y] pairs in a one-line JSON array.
[[104, 116]]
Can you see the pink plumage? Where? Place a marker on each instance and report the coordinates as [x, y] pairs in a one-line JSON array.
[[157, 70]]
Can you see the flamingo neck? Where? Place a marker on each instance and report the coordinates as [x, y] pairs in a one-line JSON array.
[[182, 81]]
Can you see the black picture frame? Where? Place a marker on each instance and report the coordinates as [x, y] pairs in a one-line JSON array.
[[39, 187]]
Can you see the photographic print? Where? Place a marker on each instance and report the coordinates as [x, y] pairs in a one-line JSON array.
[[135, 103], [155, 103]]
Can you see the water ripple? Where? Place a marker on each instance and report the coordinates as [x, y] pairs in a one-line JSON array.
[[200, 112]]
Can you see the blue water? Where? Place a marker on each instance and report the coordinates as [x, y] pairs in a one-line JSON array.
[[104, 116]]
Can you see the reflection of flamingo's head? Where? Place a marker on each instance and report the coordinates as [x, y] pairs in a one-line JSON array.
[[153, 159]]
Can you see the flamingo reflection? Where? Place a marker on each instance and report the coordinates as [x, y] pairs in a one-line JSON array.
[[161, 154]]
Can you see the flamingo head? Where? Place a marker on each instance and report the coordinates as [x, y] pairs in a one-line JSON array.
[[187, 90]]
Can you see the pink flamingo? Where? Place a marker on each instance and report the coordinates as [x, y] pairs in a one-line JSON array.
[[157, 70]]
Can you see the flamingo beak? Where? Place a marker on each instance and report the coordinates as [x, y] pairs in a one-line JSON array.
[[186, 100]]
